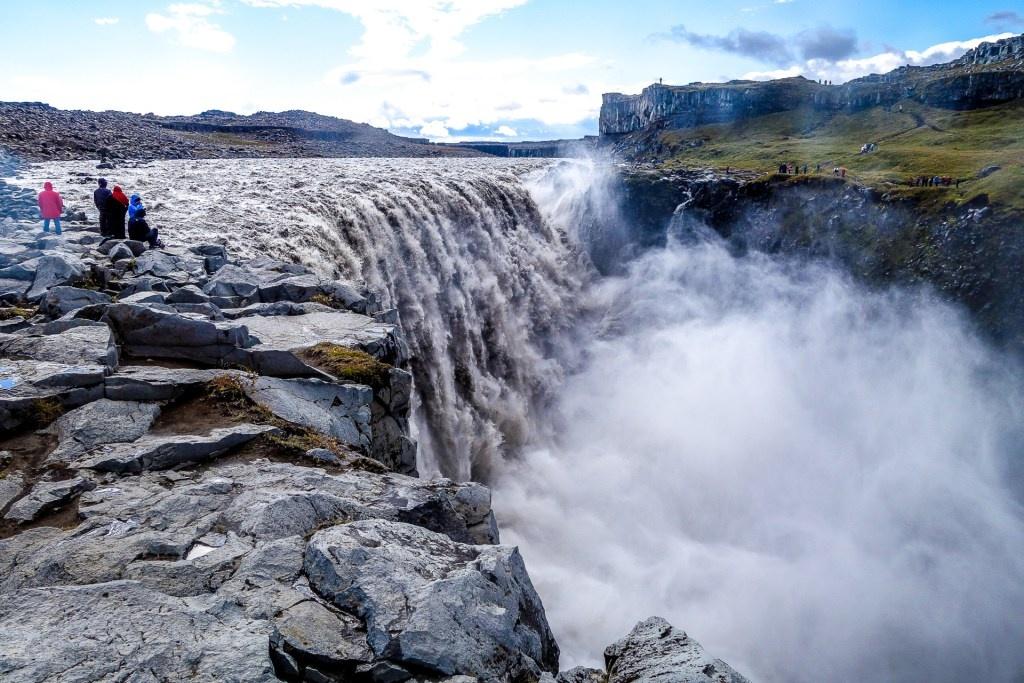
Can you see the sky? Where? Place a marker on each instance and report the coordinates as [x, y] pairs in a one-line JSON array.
[[457, 69]]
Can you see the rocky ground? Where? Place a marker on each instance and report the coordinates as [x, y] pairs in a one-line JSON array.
[[33, 131], [206, 474]]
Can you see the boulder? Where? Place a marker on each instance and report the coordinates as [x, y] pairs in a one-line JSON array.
[[311, 632], [52, 270], [582, 674], [234, 281], [166, 451], [189, 294], [100, 422], [341, 411], [120, 252], [411, 586], [95, 633], [46, 497], [656, 651], [276, 308], [20, 270], [80, 342], [60, 300], [166, 264]]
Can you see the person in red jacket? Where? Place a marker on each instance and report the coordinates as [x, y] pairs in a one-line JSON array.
[[51, 206]]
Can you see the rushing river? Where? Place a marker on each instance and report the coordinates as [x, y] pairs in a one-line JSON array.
[[809, 477]]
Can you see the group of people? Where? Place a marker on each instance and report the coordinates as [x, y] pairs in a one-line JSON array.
[[793, 168], [934, 181], [114, 205]]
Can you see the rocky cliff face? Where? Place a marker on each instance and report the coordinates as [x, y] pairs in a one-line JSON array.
[[989, 74]]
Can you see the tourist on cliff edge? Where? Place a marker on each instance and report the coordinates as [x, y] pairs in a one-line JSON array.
[[51, 206], [117, 207], [99, 198], [138, 229], [134, 205]]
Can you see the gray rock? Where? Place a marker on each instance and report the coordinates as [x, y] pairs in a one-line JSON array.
[[126, 632], [11, 487], [163, 452], [410, 585], [100, 422], [145, 297], [20, 270], [25, 383], [339, 410], [582, 674], [208, 310], [46, 497], [989, 170], [60, 300], [656, 651], [13, 291], [313, 632], [234, 281], [160, 332], [189, 294], [276, 308], [146, 283], [85, 343], [153, 383], [120, 252], [52, 270], [165, 264]]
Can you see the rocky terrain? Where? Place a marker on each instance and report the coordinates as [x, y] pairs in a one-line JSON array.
[[989, 74], [206, 474], [33, 131]]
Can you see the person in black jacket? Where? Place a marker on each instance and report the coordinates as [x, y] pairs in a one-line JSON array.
[[100, 197], [117, 207], [138, 229]]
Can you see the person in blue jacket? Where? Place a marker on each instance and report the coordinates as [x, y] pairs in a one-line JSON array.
[[134, 205]]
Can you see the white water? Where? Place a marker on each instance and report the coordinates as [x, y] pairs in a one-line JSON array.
[[808, 477]]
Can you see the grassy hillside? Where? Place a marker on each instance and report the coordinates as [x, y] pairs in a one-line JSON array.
[[916, 141]]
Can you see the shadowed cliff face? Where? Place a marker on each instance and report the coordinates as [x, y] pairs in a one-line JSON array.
[[973, 254]]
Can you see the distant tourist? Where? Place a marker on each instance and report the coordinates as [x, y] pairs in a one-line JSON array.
[[805, 169], [99, 198], [117, 207], [138, 229], [51, 206], [817, 169], [134, 204]]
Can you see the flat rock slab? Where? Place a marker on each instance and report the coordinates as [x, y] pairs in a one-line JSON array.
[[413, 588], [158, 331], [100, 422], [45, 497], [657, 651], [24, 383], [153, 383], [52, 270], [93, 633], [339, 410], [164, 452], [279, 341], [84, 343], [11, 487]]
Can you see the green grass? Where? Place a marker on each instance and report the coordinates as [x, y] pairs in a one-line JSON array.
[[918, 141], [351, 365]]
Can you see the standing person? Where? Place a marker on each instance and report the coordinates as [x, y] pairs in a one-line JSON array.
[[99, 198], [117, 207], [51, 206], [134, 204], [138, 229]]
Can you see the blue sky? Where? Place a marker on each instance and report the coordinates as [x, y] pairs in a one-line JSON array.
[[451, 69]]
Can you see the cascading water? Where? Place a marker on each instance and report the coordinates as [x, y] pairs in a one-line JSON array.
[[812, 478]]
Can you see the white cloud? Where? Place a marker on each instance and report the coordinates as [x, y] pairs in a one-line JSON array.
[[848, 69], [409, 68], [106, 21], [506, 131], [434, 130], [189, 21]]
